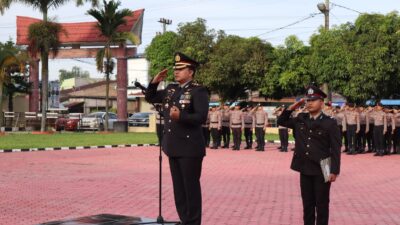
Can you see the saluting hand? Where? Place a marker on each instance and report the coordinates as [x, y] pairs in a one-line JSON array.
[[296, 104], [332, 177], [174, 113], [160, 76]]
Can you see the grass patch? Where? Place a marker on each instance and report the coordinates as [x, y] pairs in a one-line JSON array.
[[23, 140]]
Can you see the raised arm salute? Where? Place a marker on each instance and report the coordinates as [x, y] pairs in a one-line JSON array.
[[185, 110], [317, 138]]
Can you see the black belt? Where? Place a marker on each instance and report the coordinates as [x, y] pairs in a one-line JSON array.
[[225, 120], [236, 123], [214, 122], [248, 123], [260, 124]]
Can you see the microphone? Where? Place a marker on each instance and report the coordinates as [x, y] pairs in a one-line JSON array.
[[139, 85]]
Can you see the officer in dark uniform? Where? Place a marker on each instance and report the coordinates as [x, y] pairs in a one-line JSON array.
[[317, 137], [185, 110]]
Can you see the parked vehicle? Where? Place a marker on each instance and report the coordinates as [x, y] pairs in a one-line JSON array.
[[68, 122], [139, 119], [95, 121], [60, 124]]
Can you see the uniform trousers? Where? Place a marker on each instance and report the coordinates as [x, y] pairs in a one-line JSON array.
[[284, 138], [344, 137], [361, 138], [370, 138], [226, 135], [379, 139], [215, 137], [396, 140], [260, 136], [351, 136], [186, 174], [206, 134], [315, 196], [237, 137], [248, 134], [388, 139]]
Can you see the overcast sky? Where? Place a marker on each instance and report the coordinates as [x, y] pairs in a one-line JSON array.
[[261, 18]]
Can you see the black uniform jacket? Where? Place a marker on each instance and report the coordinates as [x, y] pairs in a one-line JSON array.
[[315, 140], [182, 138]]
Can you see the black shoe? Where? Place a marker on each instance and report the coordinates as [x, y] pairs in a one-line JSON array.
[[280, 147], [346, 150], [376, 154]]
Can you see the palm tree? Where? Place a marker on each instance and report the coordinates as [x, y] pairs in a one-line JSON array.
[[9, 62], [43, 6], [109, 19], [43, 44]]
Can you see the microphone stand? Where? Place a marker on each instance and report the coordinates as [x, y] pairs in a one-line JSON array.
[[160, 218]]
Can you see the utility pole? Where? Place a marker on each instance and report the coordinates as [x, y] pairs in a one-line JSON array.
[[324, 8], [165, 22]]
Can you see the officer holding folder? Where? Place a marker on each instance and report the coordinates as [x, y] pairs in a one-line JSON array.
[[316, 156]]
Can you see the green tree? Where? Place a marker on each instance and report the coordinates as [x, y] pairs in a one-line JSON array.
[[196, 40], [160, 53], [109, 19], [75, 72], [11, 61], [42, 45], [359, 60], [43, 6], [288, 72], [235, 66]]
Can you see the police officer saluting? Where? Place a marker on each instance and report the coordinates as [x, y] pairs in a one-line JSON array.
[[225, 130], [317, 138], [236, 122], [248, 126], [215, 126], [261, 124], [185, 110]]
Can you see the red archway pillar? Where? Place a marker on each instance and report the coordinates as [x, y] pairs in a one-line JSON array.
[[122, 84], [34, 78]]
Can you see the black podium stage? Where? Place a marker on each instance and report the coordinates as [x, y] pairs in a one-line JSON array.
[[102, 219]]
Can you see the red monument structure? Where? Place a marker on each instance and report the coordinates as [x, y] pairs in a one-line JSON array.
[[84, 40]]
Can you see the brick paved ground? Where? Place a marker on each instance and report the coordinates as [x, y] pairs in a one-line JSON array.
[[244, 187]]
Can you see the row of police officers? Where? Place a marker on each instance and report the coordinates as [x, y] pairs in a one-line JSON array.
[[368, 129], [223, 121]]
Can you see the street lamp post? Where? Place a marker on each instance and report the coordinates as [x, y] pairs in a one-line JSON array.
[[324, 8]]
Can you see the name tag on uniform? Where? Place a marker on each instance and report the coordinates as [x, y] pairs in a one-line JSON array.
[[185, 98]]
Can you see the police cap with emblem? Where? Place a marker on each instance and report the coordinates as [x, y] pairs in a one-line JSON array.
[[314, 93], [183, 61]]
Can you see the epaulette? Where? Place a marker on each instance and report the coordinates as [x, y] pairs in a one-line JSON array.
[[196, 84]]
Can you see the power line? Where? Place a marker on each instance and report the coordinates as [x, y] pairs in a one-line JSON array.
[[285, 36], [82, 61], [256, 29], [344, 7], [291, 24], [335, 17]]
